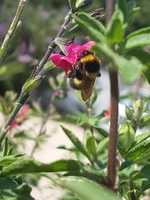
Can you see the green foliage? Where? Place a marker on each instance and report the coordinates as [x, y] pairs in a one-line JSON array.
[[119, 48], [14, 189], [129, 68], [85, 189], [24, 165], [115, 28], [140, 38], [123, 6], [75, 141], [91, 146], [126, 137]]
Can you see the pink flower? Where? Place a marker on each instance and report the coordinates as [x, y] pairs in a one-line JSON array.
[[21, 116], [107, 113], [74, 51]]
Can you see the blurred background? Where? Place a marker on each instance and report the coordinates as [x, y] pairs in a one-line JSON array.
[[54, 98]]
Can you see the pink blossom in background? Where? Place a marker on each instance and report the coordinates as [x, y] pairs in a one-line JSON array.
[[74, 52], [107, 113], [21, 116]]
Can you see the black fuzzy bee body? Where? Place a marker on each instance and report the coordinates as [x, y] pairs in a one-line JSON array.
[[84, 74]]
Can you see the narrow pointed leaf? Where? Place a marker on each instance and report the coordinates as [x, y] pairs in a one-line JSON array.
[[25, 165], [91, 146], [86, 189], [92, 26], [145, 30], [140, 40], [75, 141]]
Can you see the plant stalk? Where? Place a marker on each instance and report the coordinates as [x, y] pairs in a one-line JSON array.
[[113, 132], [12, 29], [39, 73]]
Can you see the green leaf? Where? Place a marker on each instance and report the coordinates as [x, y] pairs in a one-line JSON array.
[[145, 121], [86, 189], [10, 41], [24, 165], [103, 144], [129, 68], [95, 28], [115, 28], [126, 137], [145, 30], [140, 40], [146, 73], [143, 56], [7, 160], [91, 146], [142, 137], [14, 189], [101, 131], [123, 6], [140, 153], [145, 171], [75, 141]]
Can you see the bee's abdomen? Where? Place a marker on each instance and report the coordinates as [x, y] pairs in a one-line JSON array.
[[76, 83], [92, 67]]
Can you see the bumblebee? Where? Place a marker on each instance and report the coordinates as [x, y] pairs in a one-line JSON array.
[[84, 74]]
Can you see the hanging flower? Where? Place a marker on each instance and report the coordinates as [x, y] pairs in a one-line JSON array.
[[21, 116], [73, 53]]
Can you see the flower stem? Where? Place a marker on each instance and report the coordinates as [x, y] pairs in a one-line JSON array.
[[113, 132], [12, 29], [39, 74]]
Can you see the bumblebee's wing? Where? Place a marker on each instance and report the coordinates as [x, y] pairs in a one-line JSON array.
[[87, 87]]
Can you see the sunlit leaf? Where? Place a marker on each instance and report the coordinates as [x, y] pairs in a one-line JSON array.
[[75, 141], [91, 146], [140, 40], [25, 165], [140, 153], [115, 29], [86, 189], [129, 68], [126, 137], [145, 30], [95, 28]]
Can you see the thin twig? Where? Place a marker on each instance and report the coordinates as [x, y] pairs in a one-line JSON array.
[[38, 74], [12, 29], [113, 133], [41, 131]]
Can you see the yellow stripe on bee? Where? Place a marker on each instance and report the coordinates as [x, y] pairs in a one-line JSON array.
[[77, 81], [87, 58]]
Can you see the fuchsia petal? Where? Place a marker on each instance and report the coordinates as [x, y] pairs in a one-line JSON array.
[[73, 53], [73, 48], [79, 48], [64, 62], [87, 46], [56, 58]]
